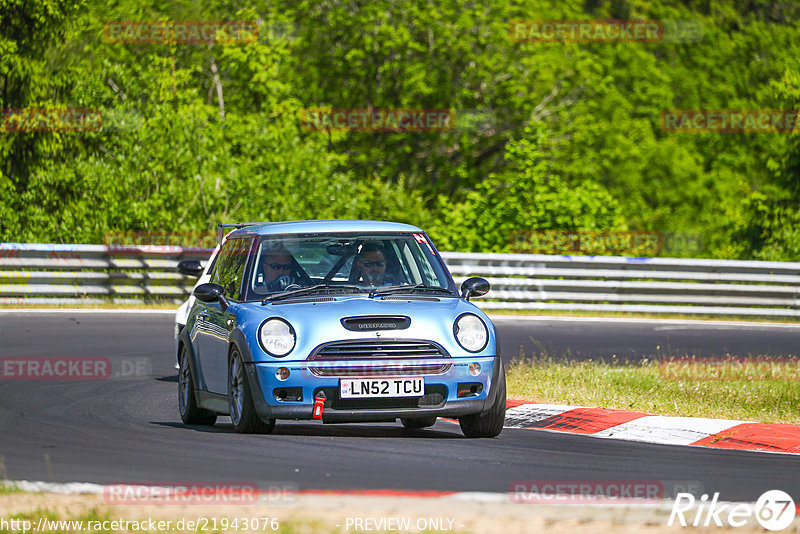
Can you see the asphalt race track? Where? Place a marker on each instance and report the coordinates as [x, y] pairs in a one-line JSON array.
[[581, 339], [127, 429], [125, 334]]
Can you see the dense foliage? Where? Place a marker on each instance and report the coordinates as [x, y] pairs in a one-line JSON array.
[[547, 136]]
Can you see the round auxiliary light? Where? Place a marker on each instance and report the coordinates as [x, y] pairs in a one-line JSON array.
[[474, 368], [282, 373], [277, 337], [470, 332]]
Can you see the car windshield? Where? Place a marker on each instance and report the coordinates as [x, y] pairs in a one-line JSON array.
[[346, 263]]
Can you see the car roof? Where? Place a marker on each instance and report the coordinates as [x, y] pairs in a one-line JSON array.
[[323, 226]]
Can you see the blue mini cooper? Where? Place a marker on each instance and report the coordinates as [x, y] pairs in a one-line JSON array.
[[340, 321]]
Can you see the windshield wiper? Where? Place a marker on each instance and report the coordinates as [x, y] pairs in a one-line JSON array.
[[394, 289], [309, 290]]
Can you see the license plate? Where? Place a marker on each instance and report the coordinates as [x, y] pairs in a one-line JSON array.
[[362, 388]]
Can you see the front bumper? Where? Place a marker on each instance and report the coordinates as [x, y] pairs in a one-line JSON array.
[[441, 397]]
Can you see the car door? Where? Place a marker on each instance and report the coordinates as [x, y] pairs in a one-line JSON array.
[[214, 325]]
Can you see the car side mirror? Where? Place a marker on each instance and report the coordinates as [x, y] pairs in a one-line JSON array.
[[211, 293], [190, 267], [474, 287]]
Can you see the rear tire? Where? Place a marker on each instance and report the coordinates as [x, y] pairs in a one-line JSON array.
[[418, 422], [240, 400], [191, 414], [487, 424]]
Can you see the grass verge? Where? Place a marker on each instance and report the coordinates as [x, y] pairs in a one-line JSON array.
[[7, 488], [762, 390], [331, 514]]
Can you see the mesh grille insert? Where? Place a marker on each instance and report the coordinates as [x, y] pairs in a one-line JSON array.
[[378, 348], [413, 354]]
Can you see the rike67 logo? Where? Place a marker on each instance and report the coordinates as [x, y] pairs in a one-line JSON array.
[[774, 510]]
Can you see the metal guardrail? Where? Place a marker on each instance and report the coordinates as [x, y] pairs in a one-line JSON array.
[[77, 274], [621, 284], [94, 274]]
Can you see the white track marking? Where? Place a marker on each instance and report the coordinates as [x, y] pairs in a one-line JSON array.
[[527, 414], [83, 488], [71, 488], [668, 430]]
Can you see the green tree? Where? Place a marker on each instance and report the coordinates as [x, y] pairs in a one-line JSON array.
[[526, 197]]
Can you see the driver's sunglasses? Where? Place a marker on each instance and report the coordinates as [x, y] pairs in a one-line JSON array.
[[279, 266], [379, 263]]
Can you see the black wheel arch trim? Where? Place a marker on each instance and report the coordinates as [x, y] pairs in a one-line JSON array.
[[262, 408], [197, 378], [498, 368]]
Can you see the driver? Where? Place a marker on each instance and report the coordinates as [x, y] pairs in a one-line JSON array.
[[276, 269], [370, 265]]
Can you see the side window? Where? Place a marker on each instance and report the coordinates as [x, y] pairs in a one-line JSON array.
[[420, 262], [229, 269], [409, 273]]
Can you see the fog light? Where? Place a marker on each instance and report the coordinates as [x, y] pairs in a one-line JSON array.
[[469, 389], [288, 394], [474, 368], [282, 373]]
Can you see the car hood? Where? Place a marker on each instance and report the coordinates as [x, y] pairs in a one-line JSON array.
[[315, 323]]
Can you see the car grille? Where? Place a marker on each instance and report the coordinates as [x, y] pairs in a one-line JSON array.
[[408, 358]]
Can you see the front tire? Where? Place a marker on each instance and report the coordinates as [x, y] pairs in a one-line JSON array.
[[240, 400], [191, 414], [487, 424]]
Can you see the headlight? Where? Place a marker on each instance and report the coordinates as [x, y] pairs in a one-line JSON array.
[[277, 337], [470, 332]]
